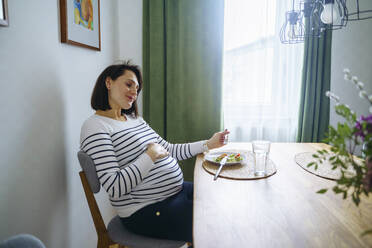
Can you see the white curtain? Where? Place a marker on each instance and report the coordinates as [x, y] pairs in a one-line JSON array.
[[261, 76]]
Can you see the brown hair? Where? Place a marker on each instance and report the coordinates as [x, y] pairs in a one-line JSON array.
[[99, 100]]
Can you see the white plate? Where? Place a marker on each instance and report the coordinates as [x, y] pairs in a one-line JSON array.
[[211, 157]]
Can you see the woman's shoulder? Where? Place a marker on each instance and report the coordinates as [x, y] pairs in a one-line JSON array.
[[96, 122], [94, 125]]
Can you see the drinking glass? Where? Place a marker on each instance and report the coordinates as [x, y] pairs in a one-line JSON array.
[[261, 149]]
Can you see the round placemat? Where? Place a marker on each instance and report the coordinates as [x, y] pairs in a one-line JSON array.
[[324, 169], [243, 171]]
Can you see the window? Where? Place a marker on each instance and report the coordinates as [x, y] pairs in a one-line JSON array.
[[261, 76]]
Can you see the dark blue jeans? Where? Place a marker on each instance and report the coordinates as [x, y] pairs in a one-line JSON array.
[[168, 219]]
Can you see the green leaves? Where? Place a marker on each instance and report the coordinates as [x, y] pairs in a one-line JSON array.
[[366, 232], [356, 198], [337, 190], [345, 112], [343, 141], [310, 164], [344, 138], [322, 191]]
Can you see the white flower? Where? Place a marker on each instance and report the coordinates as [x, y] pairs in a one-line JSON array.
[[332, 96], [354, 79], [363, 94], [360, 85]]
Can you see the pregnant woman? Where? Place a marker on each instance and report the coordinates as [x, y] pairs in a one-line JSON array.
[[138, 169]]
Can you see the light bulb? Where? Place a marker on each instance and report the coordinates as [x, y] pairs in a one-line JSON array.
[[329, 14]]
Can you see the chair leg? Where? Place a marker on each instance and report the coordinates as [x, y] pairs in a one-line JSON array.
[[118, 246], [103, 243]]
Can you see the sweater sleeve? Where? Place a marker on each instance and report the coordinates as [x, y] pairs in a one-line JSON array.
[[181, 151], [97, 143]]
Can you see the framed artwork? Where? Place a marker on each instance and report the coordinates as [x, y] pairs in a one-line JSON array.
[[80, 23], [4, 21]]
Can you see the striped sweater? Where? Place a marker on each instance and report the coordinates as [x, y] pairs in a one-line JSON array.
[[131, 179]]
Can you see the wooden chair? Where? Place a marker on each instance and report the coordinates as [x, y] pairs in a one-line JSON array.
[[115, 235]]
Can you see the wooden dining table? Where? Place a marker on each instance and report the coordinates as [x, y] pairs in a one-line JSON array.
[[282, 210]]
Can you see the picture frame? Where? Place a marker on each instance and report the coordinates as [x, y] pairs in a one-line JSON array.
[[80, 23], [4, 19]]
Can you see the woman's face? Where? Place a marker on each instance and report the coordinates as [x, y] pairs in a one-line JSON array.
[[122, 92]]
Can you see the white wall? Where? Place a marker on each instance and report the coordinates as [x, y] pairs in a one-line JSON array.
[[44, 98], [130, 34], [351, 48]]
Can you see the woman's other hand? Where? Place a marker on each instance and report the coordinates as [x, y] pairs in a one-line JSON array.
[[217, 140], [156, 151]]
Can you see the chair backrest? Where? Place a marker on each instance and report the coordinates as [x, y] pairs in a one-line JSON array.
[[90, 182], [87, 164]]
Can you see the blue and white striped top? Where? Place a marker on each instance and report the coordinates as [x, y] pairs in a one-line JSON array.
[[124, 169]]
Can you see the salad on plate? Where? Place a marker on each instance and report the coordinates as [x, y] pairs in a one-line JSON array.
[[232, 157]]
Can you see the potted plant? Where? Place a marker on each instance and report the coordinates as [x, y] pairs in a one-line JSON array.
[[343, 139]]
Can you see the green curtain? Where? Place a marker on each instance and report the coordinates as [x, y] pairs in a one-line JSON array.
[[316, 76], [182, 67]]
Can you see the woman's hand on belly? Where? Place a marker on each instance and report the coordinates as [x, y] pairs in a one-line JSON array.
[[156, 151]]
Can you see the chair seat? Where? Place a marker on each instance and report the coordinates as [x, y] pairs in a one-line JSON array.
[[121, 235]]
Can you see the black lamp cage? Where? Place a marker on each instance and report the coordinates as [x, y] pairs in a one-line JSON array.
[[358, 12], [313, 17]]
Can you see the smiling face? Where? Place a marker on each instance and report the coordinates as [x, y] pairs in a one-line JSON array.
[[122, 92]]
